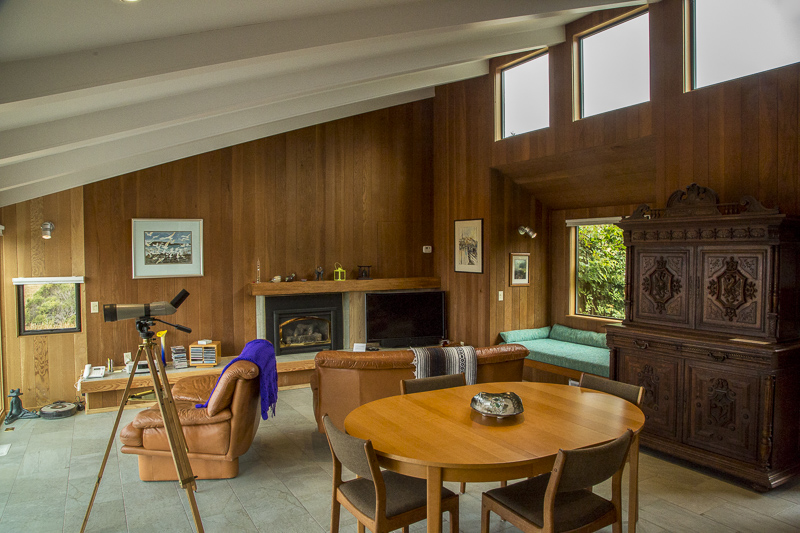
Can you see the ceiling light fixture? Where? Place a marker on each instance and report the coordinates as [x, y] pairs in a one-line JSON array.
[[47, 229], [525, 230]]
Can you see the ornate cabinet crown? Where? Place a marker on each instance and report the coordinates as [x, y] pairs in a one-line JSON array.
[[700, 264], [712, 332]]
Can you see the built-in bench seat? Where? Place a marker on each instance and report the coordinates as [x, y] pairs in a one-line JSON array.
[[562, 350]]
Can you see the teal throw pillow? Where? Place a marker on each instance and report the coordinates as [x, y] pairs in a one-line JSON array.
[[520, 335], [578, 336]]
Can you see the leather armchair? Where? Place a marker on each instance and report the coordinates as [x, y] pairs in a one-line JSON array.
[[216, 435], [344, 380]]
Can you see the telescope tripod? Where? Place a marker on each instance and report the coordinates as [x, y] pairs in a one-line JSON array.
[[169, 414]]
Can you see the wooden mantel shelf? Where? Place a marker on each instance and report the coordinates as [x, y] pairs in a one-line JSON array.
[[355, 285]]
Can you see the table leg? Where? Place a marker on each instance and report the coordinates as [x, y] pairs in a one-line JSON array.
[[434, 499], [633, 485]]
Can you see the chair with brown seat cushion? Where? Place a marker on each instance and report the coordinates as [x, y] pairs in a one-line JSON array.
[[562, 500], [633, 394], [215, 435], [380, 500], [410, 386], [626, 391]]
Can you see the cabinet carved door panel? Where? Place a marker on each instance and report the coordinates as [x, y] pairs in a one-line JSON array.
[[722, 411], [662, 287], [659, 375], [733, 285]]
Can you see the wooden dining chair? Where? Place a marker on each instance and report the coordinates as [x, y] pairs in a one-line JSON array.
[[626, 391], [633, 394], [562, 500], [380, 500], [410, 386]]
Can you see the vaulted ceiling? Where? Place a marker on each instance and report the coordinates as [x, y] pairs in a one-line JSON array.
[[91, 89]]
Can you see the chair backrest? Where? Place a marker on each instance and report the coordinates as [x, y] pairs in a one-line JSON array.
[[583, 468], [626, 391], [355, 454], [409, 386]]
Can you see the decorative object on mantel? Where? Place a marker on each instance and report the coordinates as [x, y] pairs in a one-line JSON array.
[[339, 274], [290, 277], [363, 271], [468, 253], [276, 279], [318, 273], [167, 248], [258, 270]]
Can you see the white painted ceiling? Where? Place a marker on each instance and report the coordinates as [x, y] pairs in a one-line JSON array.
[[91, 89]]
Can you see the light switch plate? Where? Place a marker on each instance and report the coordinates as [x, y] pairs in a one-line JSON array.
[[95, 307], [499, 296]]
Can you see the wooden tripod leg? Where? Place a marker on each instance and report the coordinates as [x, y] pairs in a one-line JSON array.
[[172, 425], [113, 434]]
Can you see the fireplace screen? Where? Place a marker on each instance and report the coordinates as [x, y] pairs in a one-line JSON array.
[[305, 331]]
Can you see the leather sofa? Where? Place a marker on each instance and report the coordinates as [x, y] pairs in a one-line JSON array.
[[344, 380], [216, 435]]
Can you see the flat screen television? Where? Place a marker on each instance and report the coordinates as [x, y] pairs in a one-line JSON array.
[[396, 319]]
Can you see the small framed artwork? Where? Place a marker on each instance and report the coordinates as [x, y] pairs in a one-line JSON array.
[[469, 246], [520, 270], [167, 248]]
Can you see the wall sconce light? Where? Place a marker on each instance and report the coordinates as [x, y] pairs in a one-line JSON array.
[[525, 230], [47, 229]]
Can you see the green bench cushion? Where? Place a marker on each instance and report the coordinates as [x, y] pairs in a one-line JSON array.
[[569, 355]]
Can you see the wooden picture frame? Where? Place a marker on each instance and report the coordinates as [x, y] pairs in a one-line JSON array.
[[468, 251], [167, 248], [519, 273]]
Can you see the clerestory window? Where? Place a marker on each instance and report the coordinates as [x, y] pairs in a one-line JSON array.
[[525, 95]]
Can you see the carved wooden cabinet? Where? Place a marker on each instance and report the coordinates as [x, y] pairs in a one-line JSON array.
[[711, 333]]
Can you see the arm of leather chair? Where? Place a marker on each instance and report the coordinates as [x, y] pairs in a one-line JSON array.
[[188, 414], [221, 398], [195, 389]]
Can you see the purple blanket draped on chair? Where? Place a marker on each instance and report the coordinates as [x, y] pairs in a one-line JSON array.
[[262, 353]]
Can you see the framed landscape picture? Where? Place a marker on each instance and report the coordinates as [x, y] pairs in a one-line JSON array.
[[167, 248], [520, 270], [469, 246]]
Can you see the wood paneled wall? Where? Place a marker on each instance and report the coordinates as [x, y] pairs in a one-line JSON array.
[[462, 190], [738, 137], [357, 191], [566, 135], [45, 367]]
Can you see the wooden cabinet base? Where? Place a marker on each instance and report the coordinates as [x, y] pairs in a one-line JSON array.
[[759, 480]]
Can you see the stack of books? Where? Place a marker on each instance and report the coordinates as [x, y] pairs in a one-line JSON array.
[[179, 357]]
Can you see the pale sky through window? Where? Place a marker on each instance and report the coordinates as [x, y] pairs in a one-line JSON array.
[[526, 96], [615, 65], [735, 38]]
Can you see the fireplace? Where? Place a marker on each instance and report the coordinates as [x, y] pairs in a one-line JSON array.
[[304, 323]]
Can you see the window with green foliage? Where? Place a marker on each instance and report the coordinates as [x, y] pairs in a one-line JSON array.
[[48, 308], [600, 271]]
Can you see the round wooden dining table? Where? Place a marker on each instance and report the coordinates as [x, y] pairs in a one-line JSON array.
[[437, 436]]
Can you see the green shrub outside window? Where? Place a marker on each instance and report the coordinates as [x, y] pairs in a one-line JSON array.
[[600, 271], [48, 308]]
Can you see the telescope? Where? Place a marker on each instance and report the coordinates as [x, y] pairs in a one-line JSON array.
[[114, 312]]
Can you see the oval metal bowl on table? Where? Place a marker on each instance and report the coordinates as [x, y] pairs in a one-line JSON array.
[[499, 405]]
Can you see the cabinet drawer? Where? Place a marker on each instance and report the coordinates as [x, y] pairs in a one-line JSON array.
[[660, 378]]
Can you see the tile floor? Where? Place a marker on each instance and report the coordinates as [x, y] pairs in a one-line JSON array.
[[284, 486]]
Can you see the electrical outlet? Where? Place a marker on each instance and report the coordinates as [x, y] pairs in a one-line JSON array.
[[427, 249], [499, 296], [95, 307]]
